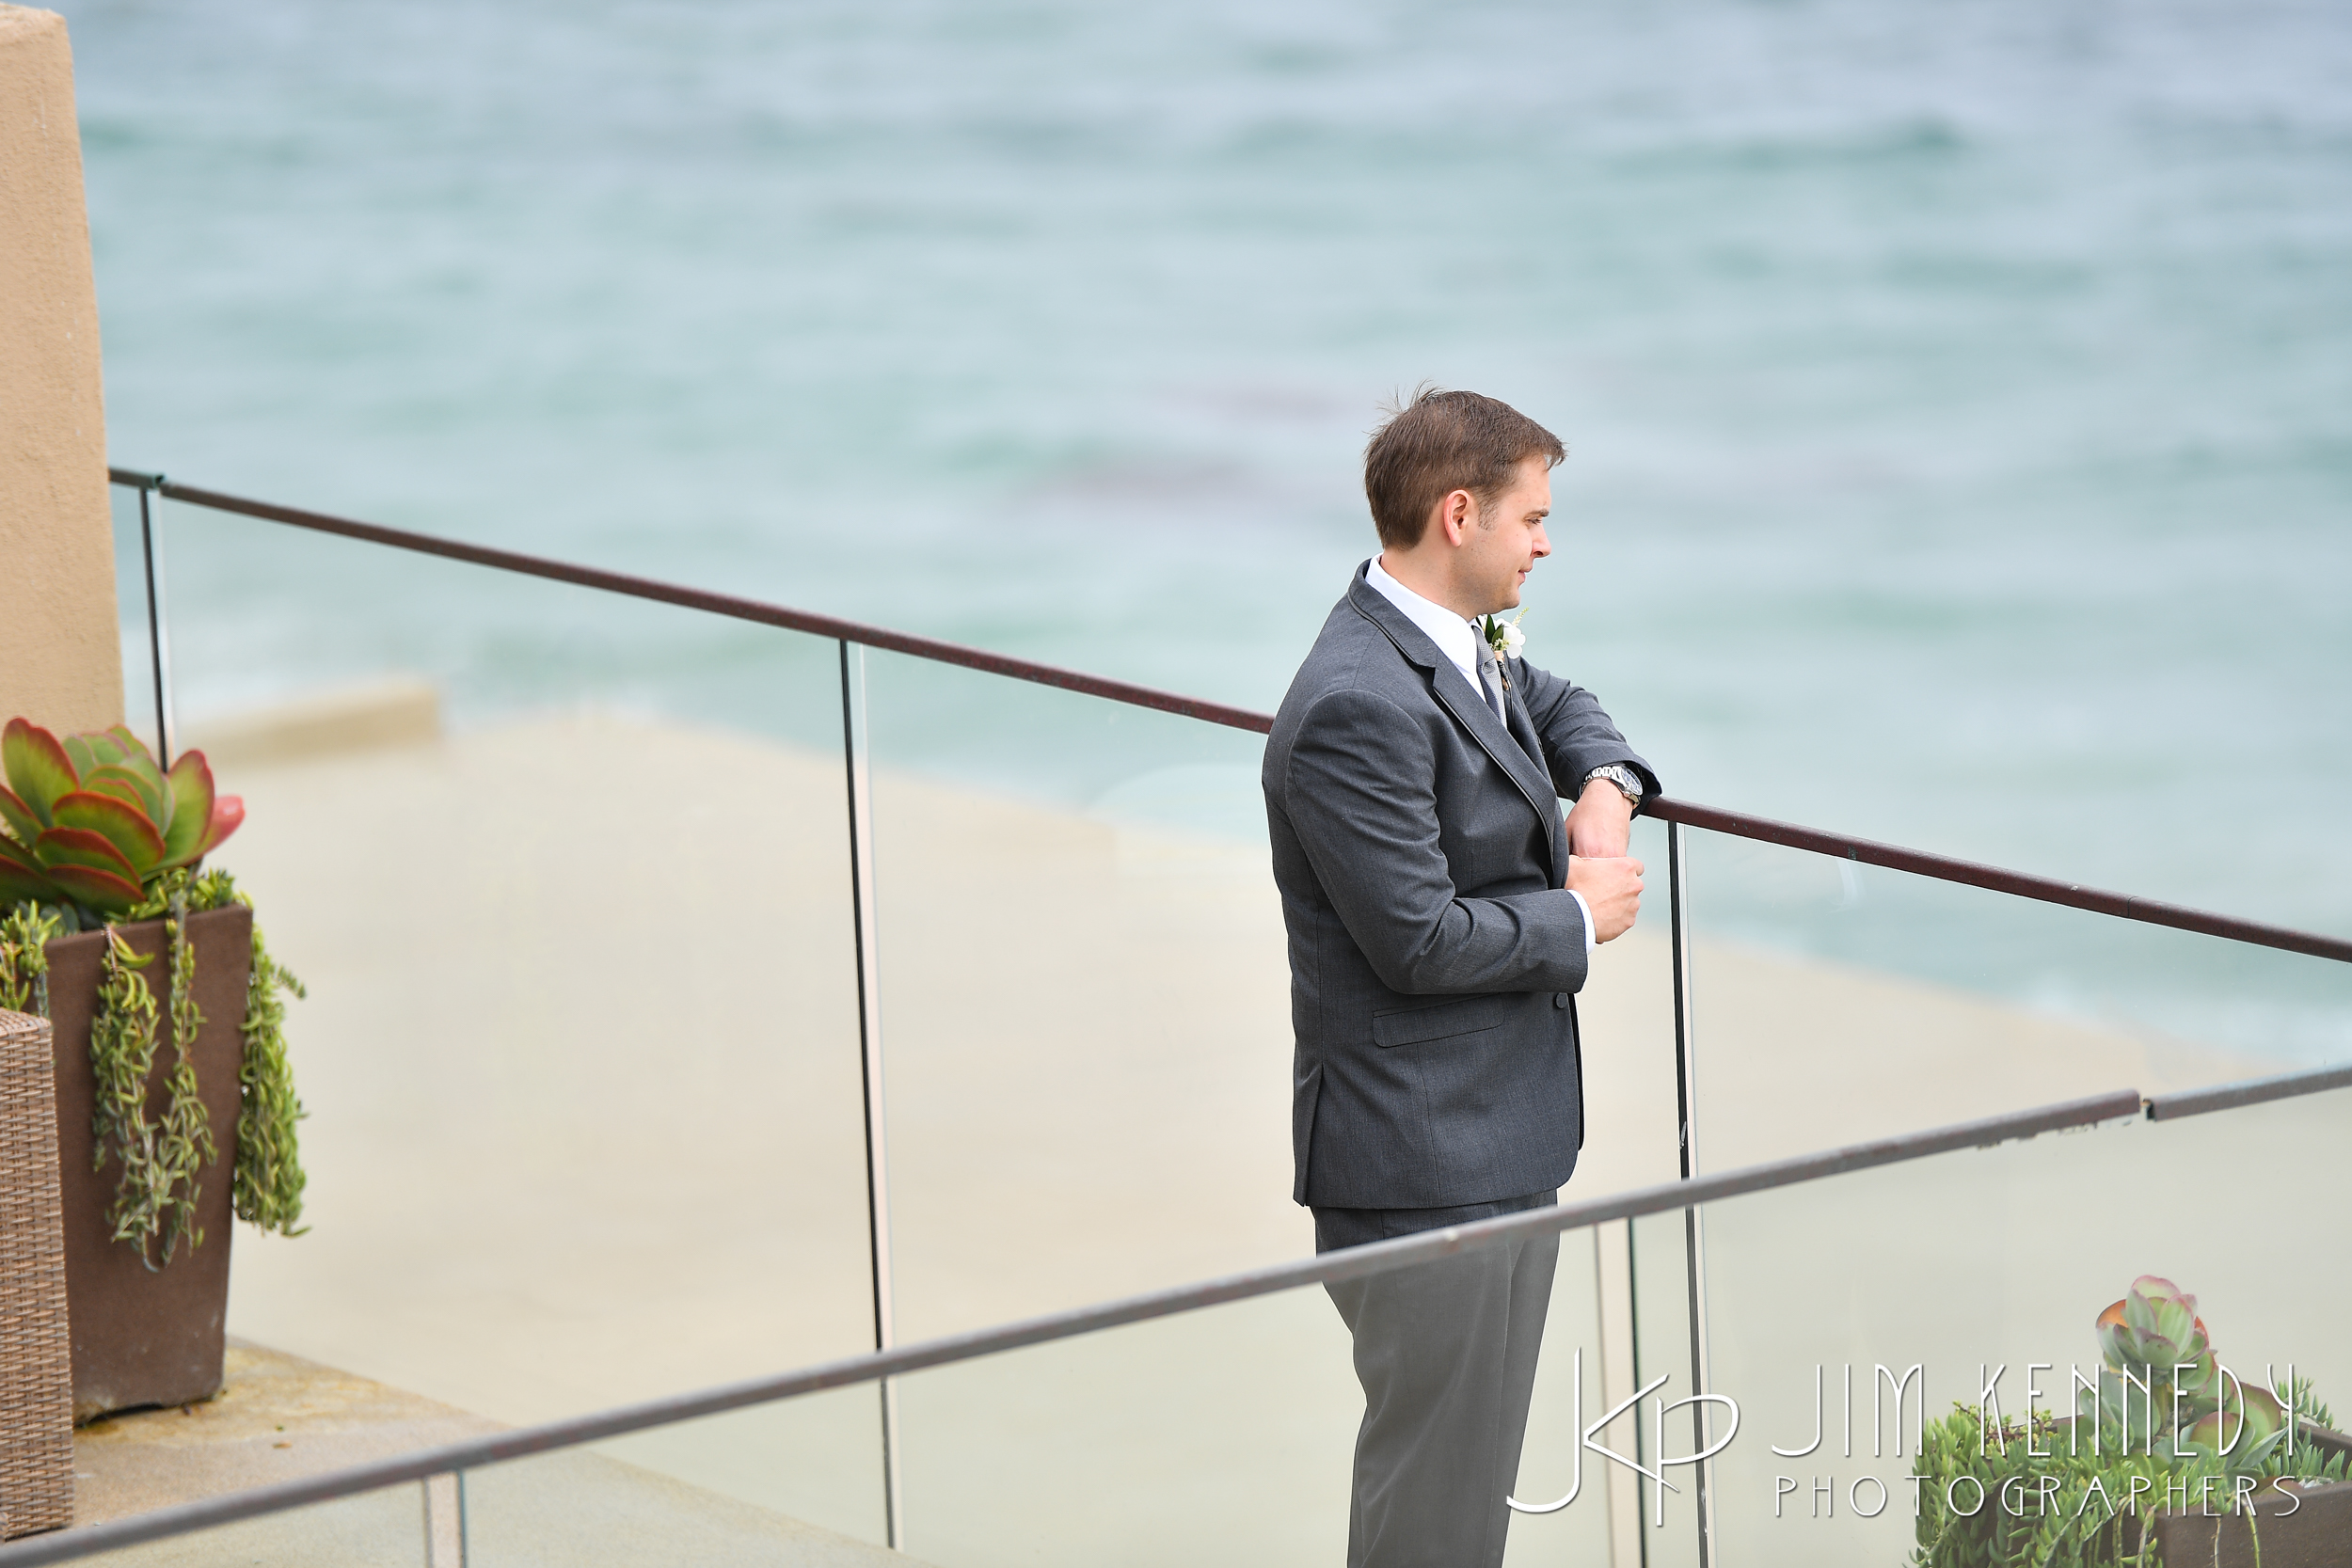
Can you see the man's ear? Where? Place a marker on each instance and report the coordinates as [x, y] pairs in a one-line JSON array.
[[1457, 513]]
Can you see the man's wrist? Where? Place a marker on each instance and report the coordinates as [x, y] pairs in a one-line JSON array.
[[1592, 938], [1626, 782]]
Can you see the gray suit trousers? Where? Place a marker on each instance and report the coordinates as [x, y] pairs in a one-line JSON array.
[[1446, 1354]]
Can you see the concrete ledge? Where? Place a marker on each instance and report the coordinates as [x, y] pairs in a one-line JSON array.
[[399, 711], [280, 1417]]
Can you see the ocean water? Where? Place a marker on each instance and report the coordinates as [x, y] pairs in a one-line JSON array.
[[1959, 397]]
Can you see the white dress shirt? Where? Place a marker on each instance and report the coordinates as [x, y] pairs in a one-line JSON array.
[[1457, 639]]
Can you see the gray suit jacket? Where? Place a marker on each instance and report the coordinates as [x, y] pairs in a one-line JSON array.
[[1434, 957]]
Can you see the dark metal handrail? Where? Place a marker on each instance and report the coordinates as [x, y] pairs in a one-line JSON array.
[[1352, 1263], [729, 605], [2249, 1091], [1714, 818], [2041, 890]]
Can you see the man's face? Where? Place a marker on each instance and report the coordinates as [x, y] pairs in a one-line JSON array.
[[1496, 559]]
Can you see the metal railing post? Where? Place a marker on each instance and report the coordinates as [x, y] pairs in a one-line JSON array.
[[1694, 1232], [158, 650], [855, 756], [1633, 1314], [445, 1535]]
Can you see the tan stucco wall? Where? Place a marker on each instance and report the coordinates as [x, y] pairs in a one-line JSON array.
[[60, 654]]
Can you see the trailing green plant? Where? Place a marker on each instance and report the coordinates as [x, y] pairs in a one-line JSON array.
[[155, 1198], [268, 1180], [2083, 1493], [269, 1176], [185, 1143], [93, 833]]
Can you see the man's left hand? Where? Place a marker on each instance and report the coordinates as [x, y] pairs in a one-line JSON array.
[[1600, 825]]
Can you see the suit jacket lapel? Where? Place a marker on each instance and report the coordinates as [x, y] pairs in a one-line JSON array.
[[1532, 747], [1471, 711]]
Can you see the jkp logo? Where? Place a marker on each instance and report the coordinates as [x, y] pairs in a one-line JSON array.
[[1659, 1408]]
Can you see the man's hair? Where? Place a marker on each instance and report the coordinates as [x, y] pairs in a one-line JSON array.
[[1441, 442]]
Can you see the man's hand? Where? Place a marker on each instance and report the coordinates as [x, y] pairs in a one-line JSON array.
[[1614, 889], [1600, 824]]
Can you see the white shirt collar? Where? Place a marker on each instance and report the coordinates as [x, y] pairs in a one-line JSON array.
[[1454, 637]]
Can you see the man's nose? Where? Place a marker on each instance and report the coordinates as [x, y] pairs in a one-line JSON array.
[[1543, 542]]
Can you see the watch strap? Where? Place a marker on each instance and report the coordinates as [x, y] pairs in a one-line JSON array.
[[1628, 781]]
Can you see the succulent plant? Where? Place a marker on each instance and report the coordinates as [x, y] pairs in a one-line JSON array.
[[2157, 1322], [2156, 1336], [93, 830], [2226, 1431], [93, 821], [2243, 1433]]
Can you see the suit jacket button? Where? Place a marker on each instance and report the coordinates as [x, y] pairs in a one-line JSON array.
[[1559, 999]]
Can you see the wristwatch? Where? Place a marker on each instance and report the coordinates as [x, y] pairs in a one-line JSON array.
[[1628, 782]]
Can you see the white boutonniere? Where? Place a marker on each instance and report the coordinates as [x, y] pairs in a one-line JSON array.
[[1506, 639]]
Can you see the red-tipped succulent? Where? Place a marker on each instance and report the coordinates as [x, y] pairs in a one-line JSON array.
[[2164, 1372], [92, 821], [2156, 1325]]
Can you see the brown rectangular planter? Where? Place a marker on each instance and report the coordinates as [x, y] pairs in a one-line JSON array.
[[145, 1336], [2314, 1529]]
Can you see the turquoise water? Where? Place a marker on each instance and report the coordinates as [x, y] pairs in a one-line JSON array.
[[1959, 397]]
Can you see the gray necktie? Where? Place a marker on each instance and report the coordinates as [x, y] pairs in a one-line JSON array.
[[1489, 676]]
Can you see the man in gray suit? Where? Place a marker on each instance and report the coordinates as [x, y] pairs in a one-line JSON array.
[[1441, 916]]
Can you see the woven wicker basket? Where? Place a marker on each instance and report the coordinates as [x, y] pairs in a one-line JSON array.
[[36, 1351]]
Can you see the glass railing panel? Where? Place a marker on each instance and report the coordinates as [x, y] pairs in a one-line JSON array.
[[1626, 1026], [816, 1460], [807, 1464], [1967, 1262], [1226, 1433], [1085, 1005], [1664, 1362], [394, 1528], [1836, 1000], [586, 1506], [1085, 997], [566, 876], [1221, 1436], [1590, 1361], [326, 612]]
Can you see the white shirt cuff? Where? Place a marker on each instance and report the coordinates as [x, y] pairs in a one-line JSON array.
[[1586, 911]]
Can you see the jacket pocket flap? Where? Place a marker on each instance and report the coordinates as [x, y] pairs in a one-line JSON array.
[[1468, 1015]]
